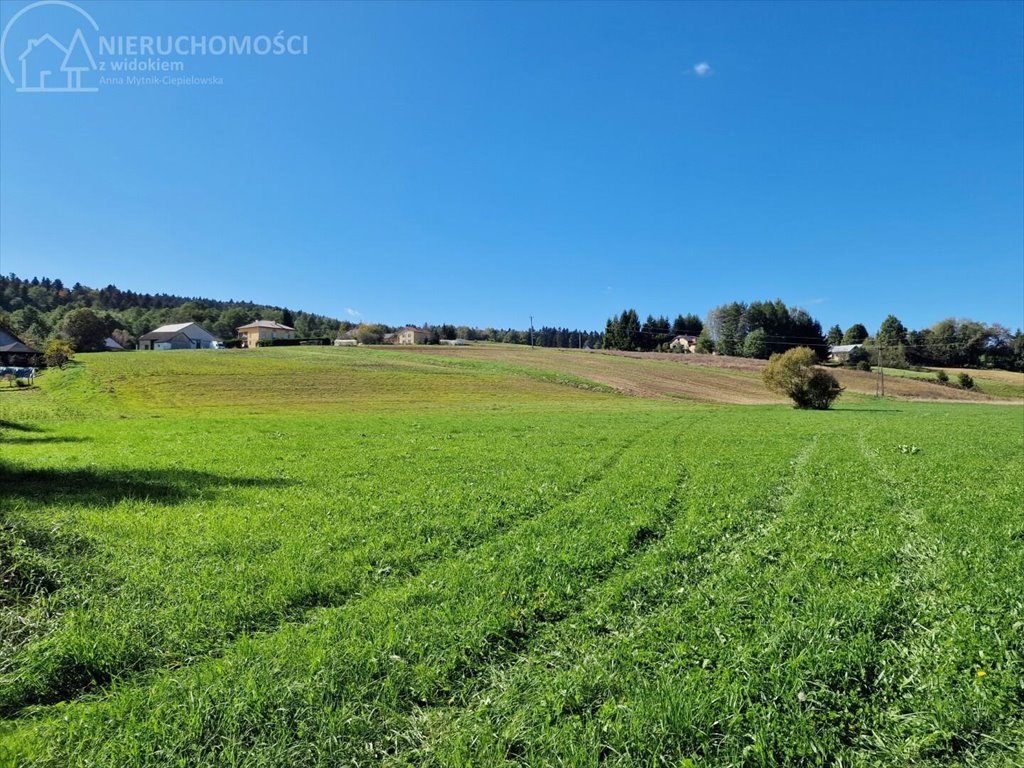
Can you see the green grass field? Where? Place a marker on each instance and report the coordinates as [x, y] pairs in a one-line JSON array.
[[319, 557]]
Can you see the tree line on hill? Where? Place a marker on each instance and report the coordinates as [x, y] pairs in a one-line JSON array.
[[625, 332], [43, 309], [763, 328], [377, 333], [755, 330], [949, 343]]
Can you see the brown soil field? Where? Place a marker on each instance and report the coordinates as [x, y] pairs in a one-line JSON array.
[[704, 378]]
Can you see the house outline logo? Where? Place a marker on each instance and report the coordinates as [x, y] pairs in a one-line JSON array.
[[75, 57]]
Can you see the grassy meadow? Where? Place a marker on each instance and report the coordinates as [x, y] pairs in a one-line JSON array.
[[328, 557]]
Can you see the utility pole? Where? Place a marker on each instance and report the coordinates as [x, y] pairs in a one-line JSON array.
[[880, 379], [531, 331]]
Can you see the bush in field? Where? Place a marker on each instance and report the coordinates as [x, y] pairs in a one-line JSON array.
[[794, 374], [57, 353], [942, 377], [864, 365], [965, 381]]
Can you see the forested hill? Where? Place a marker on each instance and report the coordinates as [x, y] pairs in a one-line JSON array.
[[36, 308]]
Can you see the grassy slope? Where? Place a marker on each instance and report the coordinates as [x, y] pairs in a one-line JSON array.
[[409, 559]]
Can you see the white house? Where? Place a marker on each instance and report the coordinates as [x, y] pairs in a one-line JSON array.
[[840, 352], [178, 336], [684, 343]]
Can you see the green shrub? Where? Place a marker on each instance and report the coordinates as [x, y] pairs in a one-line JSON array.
[[794, 374], [942, 377], [57, 353], [864, 365], [965, 381]]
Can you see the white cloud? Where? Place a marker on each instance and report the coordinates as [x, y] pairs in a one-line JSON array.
[[703, 69], [352, 312]]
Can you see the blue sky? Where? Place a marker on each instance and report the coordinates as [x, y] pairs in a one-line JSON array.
[[479, 163]]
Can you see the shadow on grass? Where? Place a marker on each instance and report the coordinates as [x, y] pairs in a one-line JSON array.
[[101, 487], [42, 440], [16, 427], [38, 559]]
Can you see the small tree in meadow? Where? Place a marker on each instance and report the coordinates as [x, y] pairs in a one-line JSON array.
[[705, 344], [57, 353], [85, 330], [794, 373]]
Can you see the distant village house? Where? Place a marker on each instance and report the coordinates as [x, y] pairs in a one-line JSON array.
[[684, 343], [841, 352], [179, 336], [413, 335], [262, 330]]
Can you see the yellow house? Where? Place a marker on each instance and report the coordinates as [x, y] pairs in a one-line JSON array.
[[261, 330], [412, 335]]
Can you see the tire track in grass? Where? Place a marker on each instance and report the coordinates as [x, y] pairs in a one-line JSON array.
[[775, 684], [858, 607], [21, 688], [613, 606], [353, 642], [929, 649]]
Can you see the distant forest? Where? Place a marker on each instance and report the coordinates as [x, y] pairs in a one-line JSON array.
[[38, 310], [762, 328]]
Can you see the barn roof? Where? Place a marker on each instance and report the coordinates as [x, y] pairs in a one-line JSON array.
[[18, 348], [172, 327], [11, 343], [165, 332], [159, 335]]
